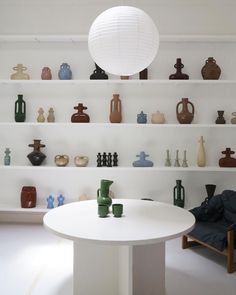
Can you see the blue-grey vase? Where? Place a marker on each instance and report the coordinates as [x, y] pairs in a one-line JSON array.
[[65, 72]]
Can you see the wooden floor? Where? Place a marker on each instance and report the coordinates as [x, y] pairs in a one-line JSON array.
[[35, 262]]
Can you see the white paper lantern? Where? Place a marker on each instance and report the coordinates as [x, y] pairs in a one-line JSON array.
[[123, 40]]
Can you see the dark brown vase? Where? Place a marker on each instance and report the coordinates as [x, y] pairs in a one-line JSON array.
[[179, 75], [36, 157], [143, 75], [28, 197], [211, 71], [80, 116], [227, 161], [185, 116], [115, 109], [220, 119]]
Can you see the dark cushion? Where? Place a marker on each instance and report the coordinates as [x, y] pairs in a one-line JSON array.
[[229, 204]]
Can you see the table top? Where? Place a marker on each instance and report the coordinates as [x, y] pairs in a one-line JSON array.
[[142, 222]]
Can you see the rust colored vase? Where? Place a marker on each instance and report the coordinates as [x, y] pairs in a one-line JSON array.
[[46, 74], [80, 116], [28, 197], [185, 116], [115, 109], [211, 71]]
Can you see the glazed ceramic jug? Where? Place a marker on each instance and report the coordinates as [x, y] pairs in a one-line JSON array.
[[61, 160], [81, 161], [46, 74], [36, 157], [20, 75], [201, 156], [20, 109], [115, 109], [103, 197], [98, 74], [80, 116], [158, 118], [211, 71], [28, 197], [185, 116], [179, 75], [65, 72], [142, 118]]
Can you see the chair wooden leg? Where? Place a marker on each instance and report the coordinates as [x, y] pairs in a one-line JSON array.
[[230, 251], [185, 244]]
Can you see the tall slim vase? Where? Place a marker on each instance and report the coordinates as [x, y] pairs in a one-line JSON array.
[[201, 156]]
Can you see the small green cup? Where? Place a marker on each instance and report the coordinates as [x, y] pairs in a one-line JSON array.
[[103, 210], [117, 210]]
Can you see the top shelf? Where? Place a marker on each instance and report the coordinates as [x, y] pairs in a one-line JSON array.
[[84, 38]]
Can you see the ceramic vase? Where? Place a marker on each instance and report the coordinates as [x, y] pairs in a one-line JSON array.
[[65, 72], [28, 197], [233, 120], [81, 161], [201, 155], [211, 71], [80, 116], [220, 119], [20, 75], [46, 74], [143, 75], [115, 109], [185, 116], [103, 197], [61, 160], [7, 157], [20, 109], [158, 118], [141, 118], [40, 117], [179, 75], [98, 74], [36, 157], [179, 194], [51, 116], [210, 188]]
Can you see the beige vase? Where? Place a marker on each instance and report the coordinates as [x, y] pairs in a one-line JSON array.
[[158, 118], [201, 156], [81, 161], [40, 117], [61, 160], [20, 75]]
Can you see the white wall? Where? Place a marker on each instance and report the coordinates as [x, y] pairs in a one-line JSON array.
[[75, 17]]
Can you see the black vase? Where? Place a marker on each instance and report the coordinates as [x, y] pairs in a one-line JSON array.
[[36, 157], [210, 188]]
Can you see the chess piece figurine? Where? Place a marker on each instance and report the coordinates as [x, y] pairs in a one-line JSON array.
[[142, 162], [36, 157], [65, 72], [179, 75], [227, 161], [7, 157], [109, 160], [179, 194], [167, 161], [201, 156], [104, 159], [142, 118], [115, 109], [50, 201], [115, 159], [20, 109], [80, 116], [98, 74], [20, 75], [46, 74], [99, 160], [40, 117], [60, 200], [51, 116], [177, 164], [185, 163], [220, 119]]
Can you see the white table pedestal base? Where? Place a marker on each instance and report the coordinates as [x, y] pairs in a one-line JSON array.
[[119, 270]]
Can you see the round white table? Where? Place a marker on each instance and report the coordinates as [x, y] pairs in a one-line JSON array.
[[119, 256]]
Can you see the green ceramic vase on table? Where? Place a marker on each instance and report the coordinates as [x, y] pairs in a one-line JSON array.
[[103, 197], [179, 194]]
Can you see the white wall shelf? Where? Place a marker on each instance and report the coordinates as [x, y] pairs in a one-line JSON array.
[[37, 209], [84, 38], [121, 169]]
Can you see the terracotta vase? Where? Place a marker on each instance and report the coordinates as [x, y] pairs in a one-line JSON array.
[[115, 109], [201, 156], [28, 197], [80, 116], [46, 74], [179, 75], [20, 109], [20, 75], [36, 157], [227, 161], [211, 71], [185, 116]]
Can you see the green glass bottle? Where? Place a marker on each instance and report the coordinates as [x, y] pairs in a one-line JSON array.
[[179, 194], [20, 109]]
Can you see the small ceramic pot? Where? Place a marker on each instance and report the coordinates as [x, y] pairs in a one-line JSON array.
[[28, 197], [61, 160], [158, 118], [81, 161]]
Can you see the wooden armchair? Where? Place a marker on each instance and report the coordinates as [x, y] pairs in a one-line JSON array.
[[215, 226]]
